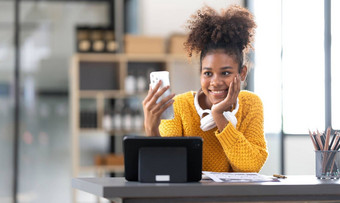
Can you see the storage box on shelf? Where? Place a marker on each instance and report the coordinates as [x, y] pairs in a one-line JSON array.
[[136, 44], [176, 44]]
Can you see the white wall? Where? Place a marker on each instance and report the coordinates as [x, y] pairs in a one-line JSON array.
[[299, 156], [162, 18], [273, 162]]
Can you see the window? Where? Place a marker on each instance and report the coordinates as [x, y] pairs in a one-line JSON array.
[[303, 95], [267, 72], [296, 79], [289, 75]]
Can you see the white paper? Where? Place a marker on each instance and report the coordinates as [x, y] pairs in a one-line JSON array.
[[237, 177]]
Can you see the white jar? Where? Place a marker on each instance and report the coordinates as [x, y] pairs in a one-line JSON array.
[[130, 85]]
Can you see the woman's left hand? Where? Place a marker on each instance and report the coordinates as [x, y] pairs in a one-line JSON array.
[[231, 99], [226, 104]]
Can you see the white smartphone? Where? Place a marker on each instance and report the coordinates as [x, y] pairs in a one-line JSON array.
[[155, 77]]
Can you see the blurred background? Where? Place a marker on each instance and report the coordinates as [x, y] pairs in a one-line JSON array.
[[82, 68]]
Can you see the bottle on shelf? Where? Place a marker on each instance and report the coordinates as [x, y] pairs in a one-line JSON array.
[[141, 82], [107, 123], [117, 120], [111, 45], [98, 44], [130, 83], [83, 41]]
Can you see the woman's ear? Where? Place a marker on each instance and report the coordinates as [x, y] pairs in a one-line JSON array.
[[243, 73]]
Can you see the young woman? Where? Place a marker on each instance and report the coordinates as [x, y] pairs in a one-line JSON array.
[[230, 121]]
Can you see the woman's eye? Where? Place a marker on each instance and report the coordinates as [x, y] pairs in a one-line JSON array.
[[207, 73], [225, 73]]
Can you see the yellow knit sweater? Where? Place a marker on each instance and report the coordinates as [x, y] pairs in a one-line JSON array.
[[233, 150]]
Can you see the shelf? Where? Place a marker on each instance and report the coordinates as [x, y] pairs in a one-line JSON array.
[[103, 169], [145, 57], [111, 132], [98, 57], [125, 132], [91, 130], [156, 57], [108, 94], [101, 93], [109, 57]]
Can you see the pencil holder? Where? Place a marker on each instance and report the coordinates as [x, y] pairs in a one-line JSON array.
[[327, 164]]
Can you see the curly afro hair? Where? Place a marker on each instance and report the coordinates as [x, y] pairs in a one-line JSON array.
[[232, 31]]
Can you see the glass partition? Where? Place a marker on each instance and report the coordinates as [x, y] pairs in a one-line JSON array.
[[6, 99], [48, 34]]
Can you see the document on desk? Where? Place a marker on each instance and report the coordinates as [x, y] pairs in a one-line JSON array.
[[237, 177]]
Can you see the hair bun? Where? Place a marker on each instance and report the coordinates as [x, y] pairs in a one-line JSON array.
[[235, 26]]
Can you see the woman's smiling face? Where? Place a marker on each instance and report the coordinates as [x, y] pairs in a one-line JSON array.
[[218, 71]]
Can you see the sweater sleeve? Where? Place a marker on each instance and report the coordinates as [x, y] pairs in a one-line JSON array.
[[172, 127], [246, 147]]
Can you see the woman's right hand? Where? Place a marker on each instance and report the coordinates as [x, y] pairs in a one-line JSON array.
[[153, 110]]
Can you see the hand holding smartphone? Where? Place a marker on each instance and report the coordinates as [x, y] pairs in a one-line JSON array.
[[155, 77]]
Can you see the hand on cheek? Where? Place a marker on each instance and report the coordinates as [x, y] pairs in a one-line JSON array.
[[231, 99]]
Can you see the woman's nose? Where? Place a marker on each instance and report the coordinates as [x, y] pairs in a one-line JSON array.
[[215, 81]]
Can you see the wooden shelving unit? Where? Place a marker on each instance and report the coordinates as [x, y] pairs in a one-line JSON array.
[[170, 63], [99, 97]]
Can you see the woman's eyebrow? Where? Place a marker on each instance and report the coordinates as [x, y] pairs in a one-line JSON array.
[[223, 68], [226, 67]]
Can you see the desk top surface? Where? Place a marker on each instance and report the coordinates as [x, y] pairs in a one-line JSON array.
[[293, 185]]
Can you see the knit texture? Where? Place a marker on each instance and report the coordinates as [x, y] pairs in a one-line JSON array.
[[240, 149]]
